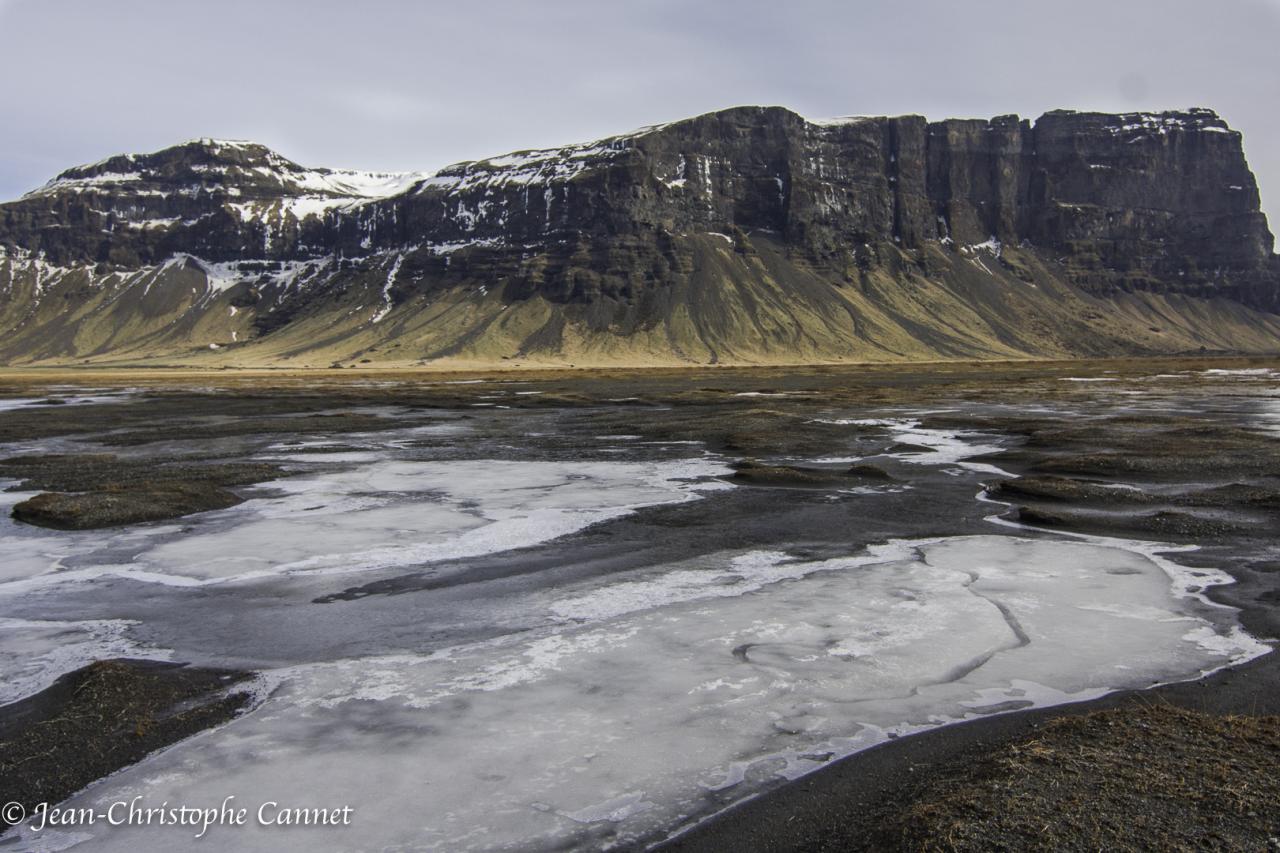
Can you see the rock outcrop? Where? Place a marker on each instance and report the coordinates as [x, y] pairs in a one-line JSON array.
[[749, 234], [218, 200]]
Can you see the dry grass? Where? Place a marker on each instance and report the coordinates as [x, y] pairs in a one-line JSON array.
[[1153, 777], [101, 718]]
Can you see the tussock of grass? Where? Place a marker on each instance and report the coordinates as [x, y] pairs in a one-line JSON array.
[[101, 718], [1146, 778]]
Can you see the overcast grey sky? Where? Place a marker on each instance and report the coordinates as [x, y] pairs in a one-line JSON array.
[[388, 85]]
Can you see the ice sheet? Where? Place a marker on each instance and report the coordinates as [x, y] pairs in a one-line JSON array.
[[392, 513], [376, 515], [654, 691], [941, 447], [35, 653]]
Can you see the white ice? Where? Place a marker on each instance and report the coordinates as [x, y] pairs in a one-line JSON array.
[[654, 688], [378, 515], [35, 653], [1246, 372], [11, 403], [942, 447]]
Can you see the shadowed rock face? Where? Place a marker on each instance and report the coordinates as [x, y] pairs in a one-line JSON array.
[[1109, 204]]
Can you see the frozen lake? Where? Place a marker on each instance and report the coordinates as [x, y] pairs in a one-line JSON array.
[[479, 652]]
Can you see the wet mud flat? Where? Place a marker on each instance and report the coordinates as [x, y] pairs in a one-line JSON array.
[[729, 486]]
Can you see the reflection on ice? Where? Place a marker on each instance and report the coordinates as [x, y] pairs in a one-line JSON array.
[[652, 691]]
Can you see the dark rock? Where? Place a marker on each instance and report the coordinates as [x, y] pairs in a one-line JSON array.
[[1131, 200], [217, 200]]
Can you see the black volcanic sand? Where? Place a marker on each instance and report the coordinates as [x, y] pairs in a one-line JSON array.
[[102, 717], [1182, 461]]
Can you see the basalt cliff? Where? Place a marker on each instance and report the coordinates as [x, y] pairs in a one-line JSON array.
[[749, 235]]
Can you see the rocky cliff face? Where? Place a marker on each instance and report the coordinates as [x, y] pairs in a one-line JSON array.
[[661, 233], [218, 200]]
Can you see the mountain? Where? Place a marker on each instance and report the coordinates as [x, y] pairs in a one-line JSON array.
[[748, 235]]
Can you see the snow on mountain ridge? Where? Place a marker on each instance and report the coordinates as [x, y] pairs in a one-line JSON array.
[[224, 164], [177, 187]]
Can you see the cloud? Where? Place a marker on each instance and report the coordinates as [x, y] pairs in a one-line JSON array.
[[393, 85], [384, 106]]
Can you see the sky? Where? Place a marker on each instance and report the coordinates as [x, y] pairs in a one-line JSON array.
[[382, 85]]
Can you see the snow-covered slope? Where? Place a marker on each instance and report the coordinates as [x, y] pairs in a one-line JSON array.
[[212, 198], [238, 167]]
